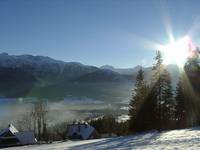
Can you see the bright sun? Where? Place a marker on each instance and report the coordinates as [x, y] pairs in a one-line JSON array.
[[177, 52]]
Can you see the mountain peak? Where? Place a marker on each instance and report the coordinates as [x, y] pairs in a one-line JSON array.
[[107, 67], [4, 53]]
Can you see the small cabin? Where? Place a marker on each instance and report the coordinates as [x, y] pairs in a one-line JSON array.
[[12, 137], [82, 131]]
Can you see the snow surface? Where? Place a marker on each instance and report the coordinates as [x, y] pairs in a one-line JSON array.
[[175, 139]]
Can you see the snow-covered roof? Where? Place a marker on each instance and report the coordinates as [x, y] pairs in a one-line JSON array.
[[26, 137], [84, 130], [23, 137], [10, 128]]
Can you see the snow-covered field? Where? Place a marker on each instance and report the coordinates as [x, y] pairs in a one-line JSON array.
[[175, 139]]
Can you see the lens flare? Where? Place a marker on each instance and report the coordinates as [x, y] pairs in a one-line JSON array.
[[178, 51]]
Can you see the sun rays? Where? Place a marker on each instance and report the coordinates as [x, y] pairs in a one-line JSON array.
[[177, 52]]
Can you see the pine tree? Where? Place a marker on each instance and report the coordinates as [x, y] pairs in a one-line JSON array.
[[151, 107], [156, 86], [138, 98], [180, 109], [167, 103], [187, 94], [161, 93], [191, 84]]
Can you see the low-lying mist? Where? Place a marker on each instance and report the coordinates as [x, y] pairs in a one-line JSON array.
[[66, 110]]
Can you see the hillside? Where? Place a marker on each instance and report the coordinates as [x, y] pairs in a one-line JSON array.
[[103, 75], [174, 139]]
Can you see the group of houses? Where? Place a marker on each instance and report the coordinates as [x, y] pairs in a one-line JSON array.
[[12, 137]]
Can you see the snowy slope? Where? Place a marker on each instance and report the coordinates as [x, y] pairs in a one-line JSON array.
[[175, 139]]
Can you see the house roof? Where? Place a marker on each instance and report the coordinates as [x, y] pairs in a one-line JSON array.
[[26, 137], [84, 130], [10, 128], [23, 137]]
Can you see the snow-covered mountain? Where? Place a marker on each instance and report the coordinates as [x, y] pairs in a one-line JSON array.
[[33, 72], [124, 71], [49, 70], [7, 60], [39, 75], [45, 67], [173, 69]]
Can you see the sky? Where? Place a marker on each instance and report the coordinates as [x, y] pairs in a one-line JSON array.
[[121, 33]]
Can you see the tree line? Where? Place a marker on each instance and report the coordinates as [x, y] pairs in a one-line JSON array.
[[155, 105]]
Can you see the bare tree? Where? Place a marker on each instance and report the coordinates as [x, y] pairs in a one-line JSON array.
[[25, 123], [39, 115]]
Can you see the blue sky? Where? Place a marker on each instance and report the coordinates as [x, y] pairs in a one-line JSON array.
[[94, 32]]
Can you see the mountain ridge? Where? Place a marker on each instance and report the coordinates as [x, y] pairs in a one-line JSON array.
[[44, 76]]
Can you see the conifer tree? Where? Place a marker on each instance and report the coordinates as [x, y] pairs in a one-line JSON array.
[[161, 93], [138, 98], [167, 103], [156, 86], [180, 109], [151, 107], [187, 93], [190, 81]]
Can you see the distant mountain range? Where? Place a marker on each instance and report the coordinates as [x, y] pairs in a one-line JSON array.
[[124, 71], [27, 75]]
